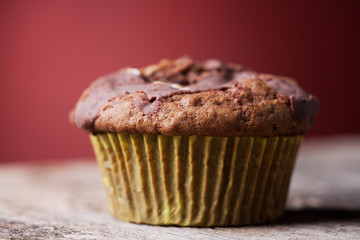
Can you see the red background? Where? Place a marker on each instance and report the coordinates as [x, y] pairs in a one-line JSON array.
[[51, 50]]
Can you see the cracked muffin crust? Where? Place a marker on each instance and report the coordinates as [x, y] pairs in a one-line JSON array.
[[187, 97]]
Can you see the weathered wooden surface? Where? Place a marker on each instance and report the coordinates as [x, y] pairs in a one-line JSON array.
[[68, 202]]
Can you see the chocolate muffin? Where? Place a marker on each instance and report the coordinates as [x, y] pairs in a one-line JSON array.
[[194, 143]]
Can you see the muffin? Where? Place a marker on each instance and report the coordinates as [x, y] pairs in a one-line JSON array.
[[192, 143]]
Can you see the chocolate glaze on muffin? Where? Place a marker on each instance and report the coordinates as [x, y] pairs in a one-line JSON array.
[[187, 97]]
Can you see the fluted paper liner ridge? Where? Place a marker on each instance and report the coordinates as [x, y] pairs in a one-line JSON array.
[[195, 180]]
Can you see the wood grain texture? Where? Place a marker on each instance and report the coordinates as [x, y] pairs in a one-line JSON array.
[[68, 201]]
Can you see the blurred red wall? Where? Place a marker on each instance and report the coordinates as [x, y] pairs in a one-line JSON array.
[[51, 50]]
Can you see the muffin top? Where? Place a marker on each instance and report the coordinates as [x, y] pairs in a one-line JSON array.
[[188, 97]]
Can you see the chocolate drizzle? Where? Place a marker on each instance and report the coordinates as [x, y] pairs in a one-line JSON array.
[[182, 76]]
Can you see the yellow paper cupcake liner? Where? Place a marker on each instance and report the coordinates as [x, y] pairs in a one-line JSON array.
[[196, 180]]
